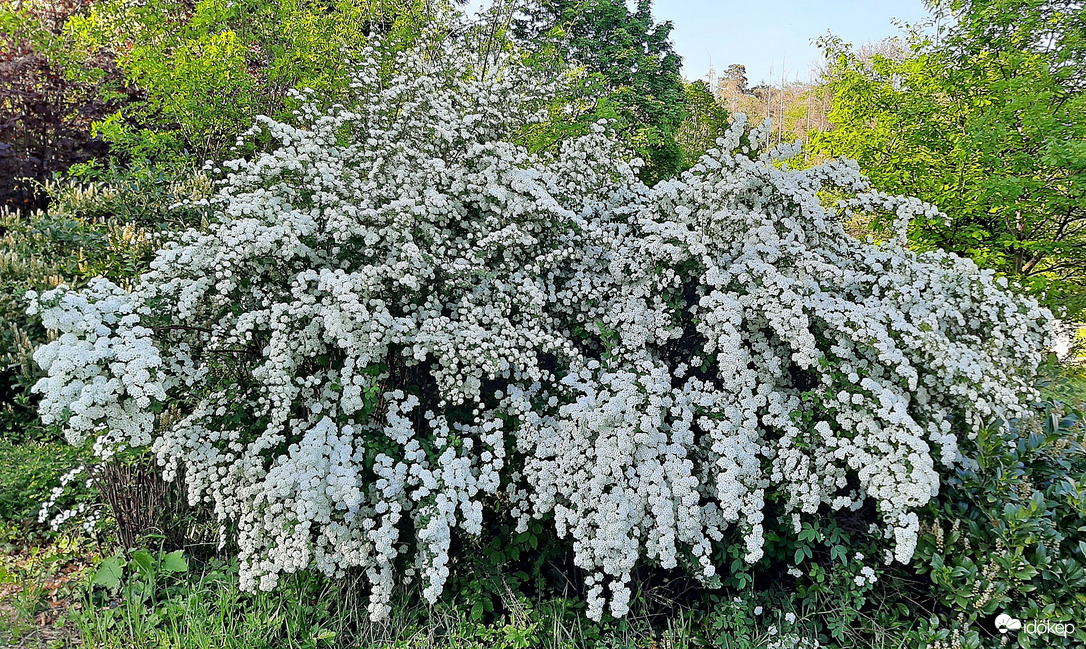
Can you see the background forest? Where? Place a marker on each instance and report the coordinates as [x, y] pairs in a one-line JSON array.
[[115, 115]]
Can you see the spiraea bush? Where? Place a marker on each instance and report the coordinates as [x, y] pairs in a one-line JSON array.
[[401, 324], [111, 228]]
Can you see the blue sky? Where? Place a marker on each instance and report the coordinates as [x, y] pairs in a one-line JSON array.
[[762, 35]]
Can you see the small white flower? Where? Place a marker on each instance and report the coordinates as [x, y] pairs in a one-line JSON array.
[[373, 337]]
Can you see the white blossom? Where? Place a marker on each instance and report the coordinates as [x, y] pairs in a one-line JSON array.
[[400, 317]]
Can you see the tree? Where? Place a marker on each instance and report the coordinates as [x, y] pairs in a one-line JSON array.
[[1055, 29], [734, 91], [633, 55], [706, 120], [989, 124], [48, 100], [207, 69], [735, 77], [797, 108]]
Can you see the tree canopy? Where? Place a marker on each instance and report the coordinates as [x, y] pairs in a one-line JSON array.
[[634, 56], [988, 122]]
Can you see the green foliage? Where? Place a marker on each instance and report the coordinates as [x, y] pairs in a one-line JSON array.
[[987, 125], [145, 572], [1065, 381], [154, 599], [31, 470], [141, 193], [207, 69], [827, 581], [49, 97], [633, 58], [1008, 535], [1056, 29], [150, 599], [705, 121], [570, 116]]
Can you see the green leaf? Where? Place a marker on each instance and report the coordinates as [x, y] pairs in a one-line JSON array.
[[109, 573], [144, 562], [174, 562]]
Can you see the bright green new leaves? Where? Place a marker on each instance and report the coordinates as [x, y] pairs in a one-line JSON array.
[[989, 125], [706, 120], [207, 70], [141, 564]]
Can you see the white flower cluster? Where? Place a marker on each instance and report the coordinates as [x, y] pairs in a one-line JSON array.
[[57, 517], [866, 576], [402, 319], [103, 371], [791, 641]]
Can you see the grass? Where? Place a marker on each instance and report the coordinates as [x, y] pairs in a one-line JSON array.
[[204, 608], [308, 611]]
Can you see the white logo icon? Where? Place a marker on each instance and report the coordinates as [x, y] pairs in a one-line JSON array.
[[1007, 623]]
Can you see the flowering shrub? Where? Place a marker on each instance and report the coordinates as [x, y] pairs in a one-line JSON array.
[[401, 321], [89, 231]]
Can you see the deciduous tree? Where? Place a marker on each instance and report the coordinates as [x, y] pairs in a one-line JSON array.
[[988, 123]]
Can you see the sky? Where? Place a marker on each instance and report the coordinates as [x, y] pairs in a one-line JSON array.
[[766, 36]]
